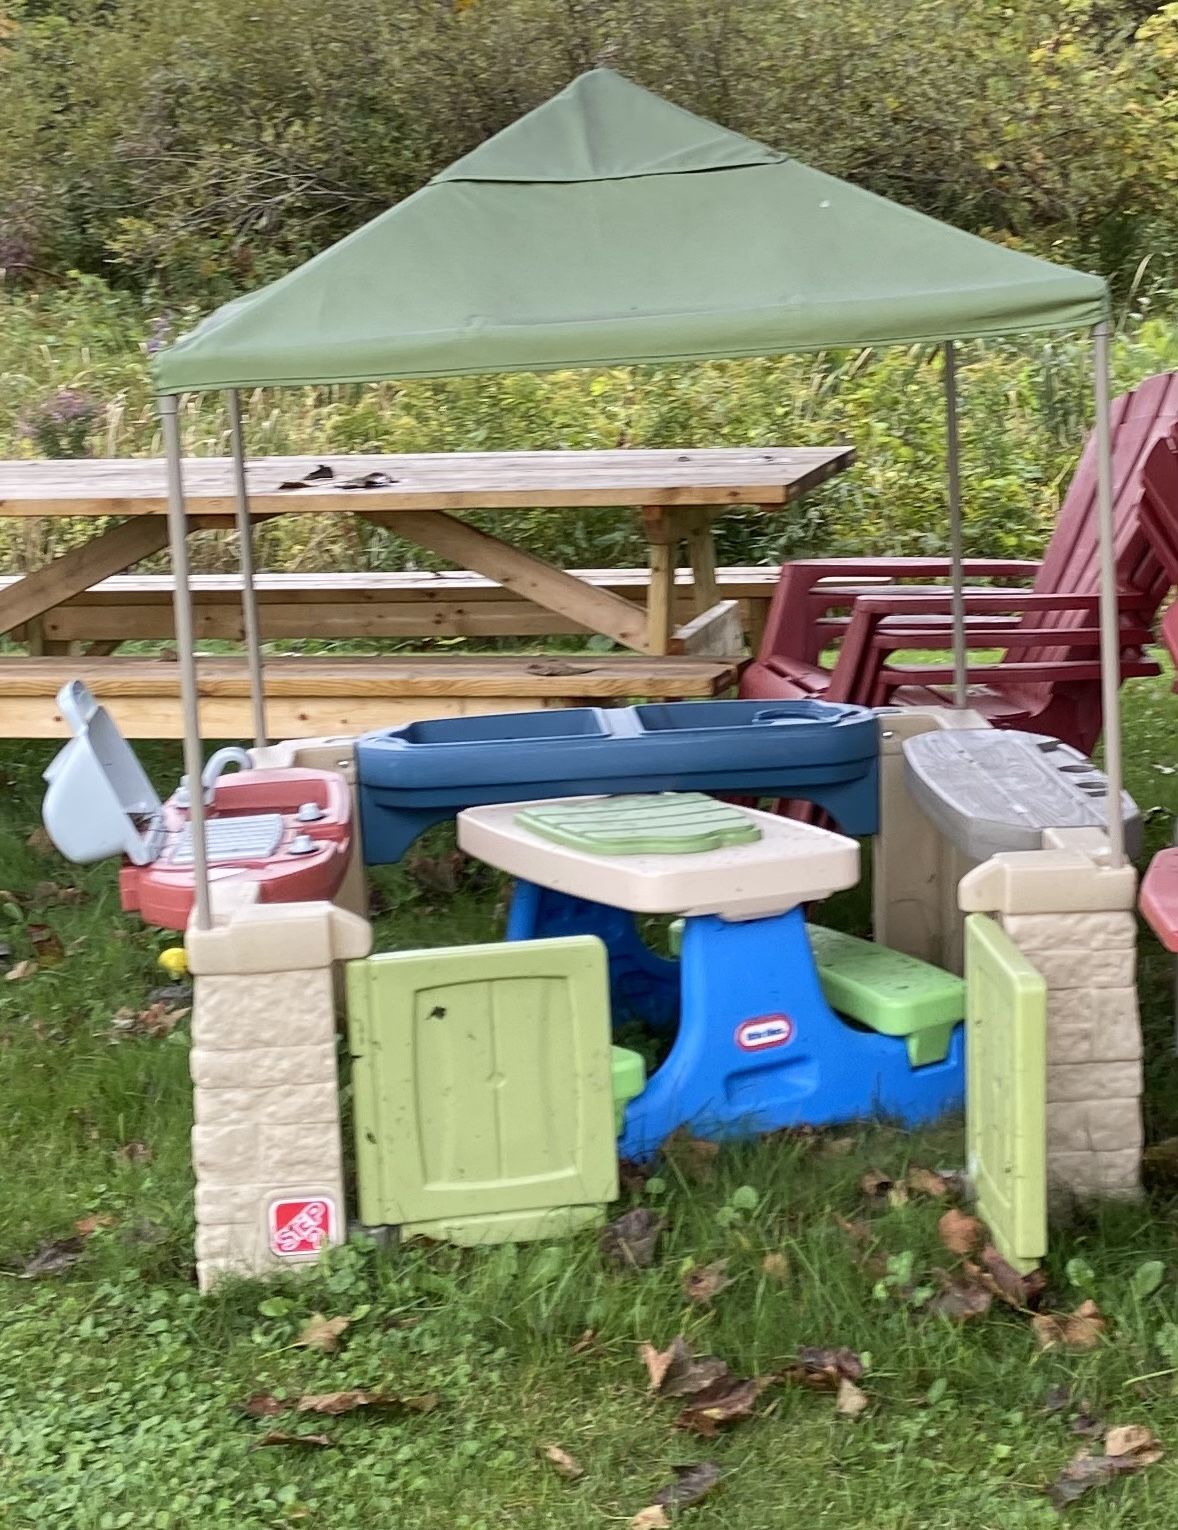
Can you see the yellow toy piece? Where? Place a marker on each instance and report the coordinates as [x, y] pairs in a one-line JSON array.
[[174, 962]]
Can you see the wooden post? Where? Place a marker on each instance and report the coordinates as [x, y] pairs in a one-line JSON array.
[[663, 532], [701, 548]]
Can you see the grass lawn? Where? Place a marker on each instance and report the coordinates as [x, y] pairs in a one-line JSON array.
[[120, 1387]]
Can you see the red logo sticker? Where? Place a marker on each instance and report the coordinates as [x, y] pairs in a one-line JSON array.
[[763, 1032], [302, 1226]]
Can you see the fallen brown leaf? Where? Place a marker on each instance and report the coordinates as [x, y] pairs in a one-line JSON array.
[[1129, 1439], [875, 1185], [706, 1281], [678, 1371], [851, 1400], [690, 1485], [40, 843], [157, 1020], [262, 1405], [1019, 1291], [775, 1266], [858, 1232], [927, 1182], [825, 1369], [1082, 1329], [135, 1152], [726, 1401], [357, 1400], [87, 1226], [1135, 1449], [839, 1147], [52, 1258], [321, 1333], [20, 970], [694, 1157], [562, 1463], [961, 1234], [283, 1437], [959, 1300], [46, 943], [629, 1242], [584, 1342]]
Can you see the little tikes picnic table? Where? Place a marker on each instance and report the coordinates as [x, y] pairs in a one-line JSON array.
[[421, 498]]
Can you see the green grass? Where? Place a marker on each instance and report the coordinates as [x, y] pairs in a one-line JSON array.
[[118, 1384]]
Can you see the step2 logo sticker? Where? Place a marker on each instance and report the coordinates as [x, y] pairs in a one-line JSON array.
[[764, 1031], [302, 1226]]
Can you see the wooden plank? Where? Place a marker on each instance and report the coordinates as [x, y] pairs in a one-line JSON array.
[[529, 576], [701, 550], [768, 477], [659, 599], [77, 569], [716, 633]]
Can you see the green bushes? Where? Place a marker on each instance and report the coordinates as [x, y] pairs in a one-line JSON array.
[[198, 146], [1025, 409]]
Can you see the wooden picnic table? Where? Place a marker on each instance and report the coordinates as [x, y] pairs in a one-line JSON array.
[[679, 495]]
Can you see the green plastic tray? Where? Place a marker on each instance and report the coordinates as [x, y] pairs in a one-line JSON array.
[[670, 823]]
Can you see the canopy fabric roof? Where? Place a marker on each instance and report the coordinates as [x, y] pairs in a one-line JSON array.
[[608, 227]]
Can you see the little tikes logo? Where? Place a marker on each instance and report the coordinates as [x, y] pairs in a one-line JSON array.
[[763, 1032]]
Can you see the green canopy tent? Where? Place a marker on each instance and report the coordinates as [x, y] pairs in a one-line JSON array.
[[609, 227]]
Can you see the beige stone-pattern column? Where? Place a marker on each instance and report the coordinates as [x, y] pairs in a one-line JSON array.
[[1072, 916], [266, 1142]]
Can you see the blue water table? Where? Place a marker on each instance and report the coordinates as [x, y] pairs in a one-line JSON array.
[[427, 772], [758, 1042]]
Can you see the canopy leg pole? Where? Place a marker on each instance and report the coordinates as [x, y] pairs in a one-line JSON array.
[[186, 654], [249, 594], [1110, 621], [956, 537]]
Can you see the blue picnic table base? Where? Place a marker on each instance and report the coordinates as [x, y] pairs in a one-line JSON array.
[[757, 1047]]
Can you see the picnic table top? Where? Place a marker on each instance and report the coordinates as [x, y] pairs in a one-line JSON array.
[[767, 477]]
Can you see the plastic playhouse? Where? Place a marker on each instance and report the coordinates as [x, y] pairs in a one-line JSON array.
[[490, 1101]]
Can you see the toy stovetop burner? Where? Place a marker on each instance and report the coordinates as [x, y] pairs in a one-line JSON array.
[[287, 831]]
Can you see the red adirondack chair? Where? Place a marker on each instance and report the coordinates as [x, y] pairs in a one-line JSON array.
[[1048, 677]]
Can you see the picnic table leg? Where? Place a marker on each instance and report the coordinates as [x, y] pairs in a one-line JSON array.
[[701, 548], [662, 536]]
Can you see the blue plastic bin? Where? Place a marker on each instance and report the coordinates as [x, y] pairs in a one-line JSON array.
[[426, 772]]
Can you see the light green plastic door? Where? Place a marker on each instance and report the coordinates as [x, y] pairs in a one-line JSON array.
[[1006, 1091], [482, 1083]]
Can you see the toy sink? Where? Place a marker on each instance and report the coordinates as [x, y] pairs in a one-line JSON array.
[[427, 772]]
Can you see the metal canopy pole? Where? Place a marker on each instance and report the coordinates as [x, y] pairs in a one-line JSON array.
[[186, 654], [956, 539], [249, 595], [1110, 621]]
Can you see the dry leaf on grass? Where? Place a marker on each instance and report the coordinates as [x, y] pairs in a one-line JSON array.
[[283, 1437], [960, 1300], [562, 1463], [46, 943], [876, 1186], [839, 1147], [678, 1371], [690, 1485], [775, 1266], [134, 1152], [20, 970], [726, 1401], [87, 1226], [262, 1405], [628, 1243], [1082, 1329], [52, 1258], [694, 1157], [961, 1234], [706, 1281], [157, 1020], [851, 1400], [927, 1182], [357, 1400], [584, 1342], [40, 843], [322, 1333], [825, 1369], [1127, 1448], [1018, 1291]]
